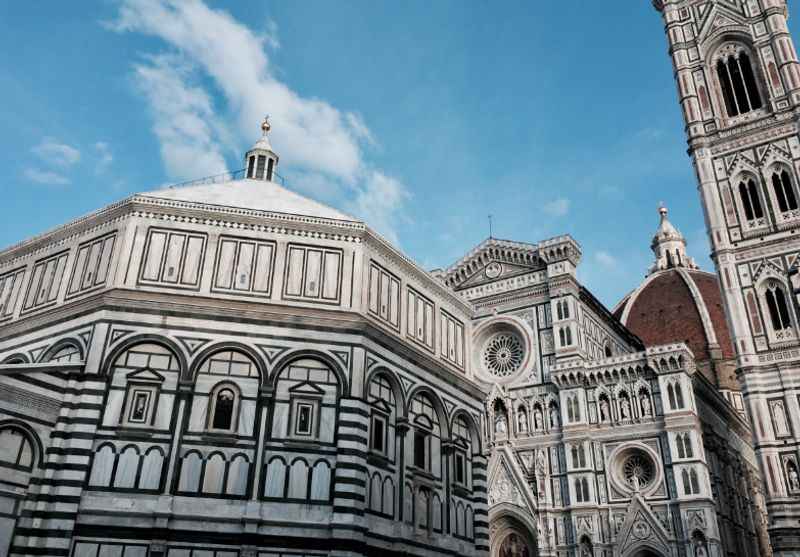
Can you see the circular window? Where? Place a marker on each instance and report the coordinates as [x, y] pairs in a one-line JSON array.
[[638, 469], [503, 354]]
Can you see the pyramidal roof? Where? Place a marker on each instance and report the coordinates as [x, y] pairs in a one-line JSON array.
[[258, 195]]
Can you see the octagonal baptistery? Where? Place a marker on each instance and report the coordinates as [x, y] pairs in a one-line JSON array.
[[228, 368]]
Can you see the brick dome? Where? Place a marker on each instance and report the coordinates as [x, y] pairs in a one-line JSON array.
[[679, 305], [677, 302]]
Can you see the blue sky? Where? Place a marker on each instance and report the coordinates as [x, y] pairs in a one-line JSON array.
[[421, 117]]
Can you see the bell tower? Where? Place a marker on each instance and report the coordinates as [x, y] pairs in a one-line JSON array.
[[738, 83]]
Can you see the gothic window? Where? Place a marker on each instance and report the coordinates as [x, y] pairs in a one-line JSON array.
[[751, 202], [784, 191], [224, 405], [738, 83], [573, 409], [691, 484], [578, 456], [777, 306], [562, 339], [582, 490], [607, 350], [559, 311], [687, 445], [679, 443], [675, 395]]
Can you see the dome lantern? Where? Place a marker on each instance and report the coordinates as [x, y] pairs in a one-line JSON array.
[[669, 246], [261, 161]]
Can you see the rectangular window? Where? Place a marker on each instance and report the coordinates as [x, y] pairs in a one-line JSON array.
[[173, 258], [270, 167], [419, 324], [379, 434], [250, 162], [312, 274], [91, 266], [10, 288], [461, 468], [421, 450], [452, 339], [244, 266], [384, 295], [45, 281], [304, 421], [139, 407]]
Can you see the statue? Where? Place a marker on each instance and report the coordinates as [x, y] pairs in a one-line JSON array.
[[780, 418], [538, 419], [522, 420], [541, 463], [553, 417], [700, 551], [604, 410], [646, 405], [624, 409], [794, 480], [500, 425]]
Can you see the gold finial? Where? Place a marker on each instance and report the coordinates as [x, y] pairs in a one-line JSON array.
[[265, 127]]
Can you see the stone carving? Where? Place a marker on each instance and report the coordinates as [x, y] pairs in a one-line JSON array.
[[538, 419], [554, 422], [522, 420], [500, 426], [646, 409], [624, 409], [504, 490], [605, 410]]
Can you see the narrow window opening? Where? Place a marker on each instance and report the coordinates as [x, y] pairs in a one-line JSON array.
[[750, 81], [270, 168], [262, 160], [727, 89], [777, 185], [745, 196], [251, 161], [223, 409], [378, 434], [755, 200], [304, 424], [461, 476], [420, 450], [788, 190]]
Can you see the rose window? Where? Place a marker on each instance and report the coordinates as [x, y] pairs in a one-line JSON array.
[[638, 470], [503, 354]]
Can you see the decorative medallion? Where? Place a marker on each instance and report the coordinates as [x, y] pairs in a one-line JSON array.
[[493, 270]]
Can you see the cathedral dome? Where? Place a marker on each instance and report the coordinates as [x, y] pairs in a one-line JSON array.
[[677, 302]]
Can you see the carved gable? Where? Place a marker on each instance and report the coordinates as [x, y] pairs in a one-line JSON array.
[[507, 483], [642, 528]]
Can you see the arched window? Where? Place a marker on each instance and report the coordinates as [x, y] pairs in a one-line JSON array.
[[16, 450], [559, 311], [687, 444], [578, 491], [687, 487], [777, 306], [738, 83], [381, 396], [751, 202], [224, 401], [671, 395], [66, 354], [566, 309], [607, 350], [784, 191], [678, 395], [679, 443], [569, 336], [562, 339], [694, 481]]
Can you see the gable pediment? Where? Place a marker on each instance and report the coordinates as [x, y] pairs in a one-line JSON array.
[[493, 260], [507, 483], [720, 16], [306, 388], [642, 529], [145, 374]]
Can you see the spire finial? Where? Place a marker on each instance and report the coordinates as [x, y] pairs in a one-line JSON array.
[[265, 126], [662, 210]]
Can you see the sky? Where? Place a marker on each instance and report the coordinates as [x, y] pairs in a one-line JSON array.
[[422, 118]]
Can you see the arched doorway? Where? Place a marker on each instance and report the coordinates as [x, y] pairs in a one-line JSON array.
[[514, 546], [513, 533], [646, 553]]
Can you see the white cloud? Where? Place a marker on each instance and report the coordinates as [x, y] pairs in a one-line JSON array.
[[558, 207], [183, 118], [605, 259], [45, 177], [104, 156], [56, 154], [310, 135]]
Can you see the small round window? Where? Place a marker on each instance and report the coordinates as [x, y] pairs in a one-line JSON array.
[[503, 354]]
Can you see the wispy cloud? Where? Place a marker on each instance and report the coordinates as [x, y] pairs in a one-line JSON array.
[[311, 135], [557, 208], [53, 152], [46, 177], [103, 156], [605, 259]]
